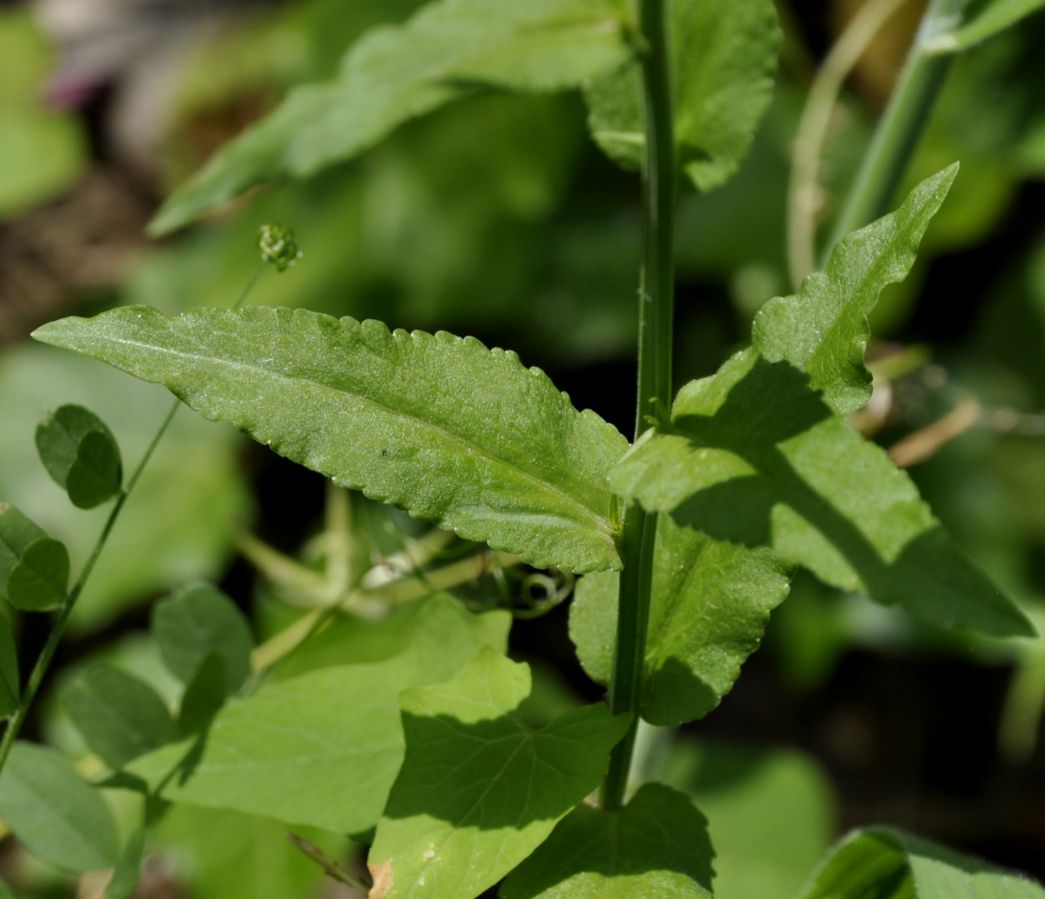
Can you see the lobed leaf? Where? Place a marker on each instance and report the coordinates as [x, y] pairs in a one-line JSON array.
[[723, 60], [119, 716], [10, 690], [753, 456], [81, 455], [479, 790], [440, 425], [656, 846], [447, 50], [709, 607], [34, 568], [200, 622], [969, 22], [322, 748], [58, 817], [823, 331], [882, 863]]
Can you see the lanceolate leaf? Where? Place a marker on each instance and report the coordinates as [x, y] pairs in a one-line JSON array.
[[656, 846], [823, 330], [968, 22], [479, 790], [54, 812], [710, 605], [119, 716], [81, 454], [437, 424], [34, 569], [724, 56], [881, 863], [449, 49], [322, 748], [755, 456]]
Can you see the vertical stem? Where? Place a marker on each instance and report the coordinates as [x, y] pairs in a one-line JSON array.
[[900, 128], [656, 311]]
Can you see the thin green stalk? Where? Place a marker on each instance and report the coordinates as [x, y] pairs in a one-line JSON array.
[[803, 186], [656, 312], [900, 128], [43, 661]]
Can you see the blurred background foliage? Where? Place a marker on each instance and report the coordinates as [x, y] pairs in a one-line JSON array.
[[497, 217]]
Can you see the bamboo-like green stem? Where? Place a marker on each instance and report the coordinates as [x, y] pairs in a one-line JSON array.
[[899, 129], [656, 312], [43, 661]]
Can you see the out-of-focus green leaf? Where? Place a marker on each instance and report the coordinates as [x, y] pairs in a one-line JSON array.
[[224, 855], [656, 846], [968, 22], [771, 813], [710, 605], [723, 59], [440, 425], [10, 690], [199, 621], [448, 49], [186, 510], [881, 863], [752, 456], [58, 817], [823, 331], [127, 872], [34, 569], [204, 695], [322, 748], [119, 716], [42, 151], [81, 454], [478, 790]]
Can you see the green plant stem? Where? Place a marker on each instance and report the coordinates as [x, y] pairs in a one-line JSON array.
[[899, 130], [376, 600], [43, 661], [803, 186], [656, 311]]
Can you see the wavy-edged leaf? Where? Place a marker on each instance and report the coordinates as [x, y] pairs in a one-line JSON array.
[[479, 790], [882, 863], [197, 622], [656, 846], [81, 455], [709, 607], [34, 568], [10, 689], [322, 748], [440, 425], [753, 455], [971, 21], [119, 716], [447, 50], [723, 61], [823, 330], [54, 812]]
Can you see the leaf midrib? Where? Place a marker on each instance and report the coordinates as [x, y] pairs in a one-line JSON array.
[[602, 524]]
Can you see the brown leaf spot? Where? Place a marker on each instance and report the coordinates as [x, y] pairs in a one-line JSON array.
[[382, 875]]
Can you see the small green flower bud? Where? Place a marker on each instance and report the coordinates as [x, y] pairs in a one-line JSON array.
[[278, 246]]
